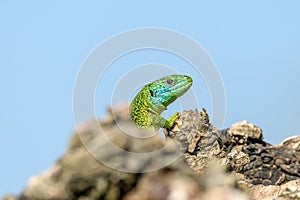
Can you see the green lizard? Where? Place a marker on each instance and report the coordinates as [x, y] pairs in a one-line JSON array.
[[154, 98]]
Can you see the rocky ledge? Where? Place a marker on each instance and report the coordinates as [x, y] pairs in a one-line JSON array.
[[195, 161]]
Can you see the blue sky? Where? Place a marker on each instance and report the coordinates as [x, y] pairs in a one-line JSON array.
[[255, 46]]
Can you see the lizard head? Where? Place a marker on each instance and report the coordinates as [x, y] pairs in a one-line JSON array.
[[167, 89]]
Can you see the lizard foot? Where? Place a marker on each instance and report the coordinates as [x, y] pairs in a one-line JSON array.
[[170, 122]]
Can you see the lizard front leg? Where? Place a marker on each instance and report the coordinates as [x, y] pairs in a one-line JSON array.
[[160, 122]]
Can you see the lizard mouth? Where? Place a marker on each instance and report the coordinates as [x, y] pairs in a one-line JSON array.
[[182, 86]]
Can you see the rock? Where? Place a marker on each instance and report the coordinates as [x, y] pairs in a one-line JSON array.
[[240, 149], [9, 197], [197, 161], [243, 131], [287, 191]]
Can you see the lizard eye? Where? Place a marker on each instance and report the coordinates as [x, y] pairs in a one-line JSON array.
[[170, 81], [151, 93]]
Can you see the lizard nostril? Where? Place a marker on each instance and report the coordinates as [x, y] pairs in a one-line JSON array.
[[189, 79]]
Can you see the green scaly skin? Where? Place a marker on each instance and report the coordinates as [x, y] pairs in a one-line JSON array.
[[154, 98]]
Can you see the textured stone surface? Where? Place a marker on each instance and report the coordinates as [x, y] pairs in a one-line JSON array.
[[287, 191], [210, 163], [240, 149]]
